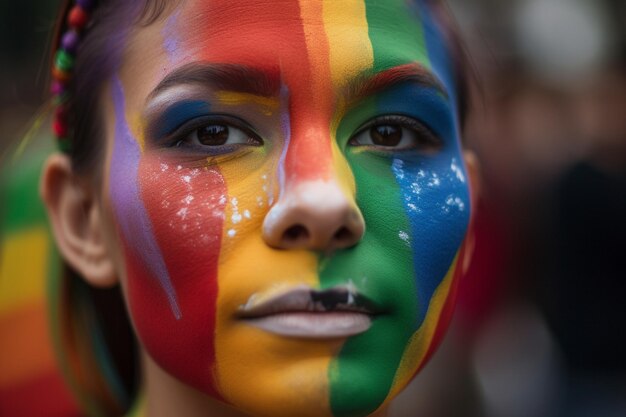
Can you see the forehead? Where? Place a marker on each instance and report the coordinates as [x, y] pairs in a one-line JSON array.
[[308, 42]]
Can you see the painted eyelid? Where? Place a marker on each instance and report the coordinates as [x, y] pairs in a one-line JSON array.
[[176, 115]]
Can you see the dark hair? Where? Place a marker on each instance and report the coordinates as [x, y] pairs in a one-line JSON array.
[[99, 57], [91, 328]]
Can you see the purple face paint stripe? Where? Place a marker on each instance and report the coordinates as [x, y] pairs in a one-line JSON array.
[[286, 128], [125, 198], [171, 41]]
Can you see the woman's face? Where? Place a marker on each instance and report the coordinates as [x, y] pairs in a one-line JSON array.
[[290, 198]]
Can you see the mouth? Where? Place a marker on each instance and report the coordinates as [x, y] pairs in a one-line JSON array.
[[303, 312]]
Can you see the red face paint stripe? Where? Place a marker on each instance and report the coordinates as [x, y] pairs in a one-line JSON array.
[[262, 44], [188, 226], [365, 86], [311, 102]]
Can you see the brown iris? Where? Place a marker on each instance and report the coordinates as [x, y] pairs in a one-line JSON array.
[[213, 135], [386, 135]]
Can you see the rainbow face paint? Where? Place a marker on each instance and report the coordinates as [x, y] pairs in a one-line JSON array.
[[244, 111]]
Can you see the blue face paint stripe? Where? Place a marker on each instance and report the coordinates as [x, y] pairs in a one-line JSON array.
[[438, 48], [438, 53], [125, 198], [433, 189]]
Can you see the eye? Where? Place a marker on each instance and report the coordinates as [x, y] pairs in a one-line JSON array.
[[396, 133], [205, 134], [219, 135]]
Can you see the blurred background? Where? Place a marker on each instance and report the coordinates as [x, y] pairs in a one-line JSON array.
[[540, 329]]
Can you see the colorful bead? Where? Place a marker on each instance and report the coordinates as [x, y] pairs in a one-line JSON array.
[[78, 18], [57, 88], [59, 128], [70, 41], [64, 61], [64, 145], [61, 75]]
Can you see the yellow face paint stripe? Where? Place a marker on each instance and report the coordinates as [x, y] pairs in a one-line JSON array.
[[279, 362], [350, 48], [350, 53], [136, 126], [232, 98]]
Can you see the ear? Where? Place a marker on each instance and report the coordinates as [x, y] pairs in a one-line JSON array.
[[76, 220], [475, 185]]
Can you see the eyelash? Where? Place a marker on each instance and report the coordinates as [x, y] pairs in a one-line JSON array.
[[177, 138], [427, 139], [424, 138]]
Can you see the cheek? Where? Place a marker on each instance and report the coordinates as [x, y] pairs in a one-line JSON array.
[[172, 276], [435, 198], [416, 213]]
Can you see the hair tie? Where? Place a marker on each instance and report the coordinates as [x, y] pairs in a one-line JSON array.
[[62, 70]]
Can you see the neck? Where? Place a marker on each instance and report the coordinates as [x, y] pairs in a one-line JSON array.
[[165, 396]]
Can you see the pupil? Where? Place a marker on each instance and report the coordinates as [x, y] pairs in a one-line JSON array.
[[386, 135], [213, 135]]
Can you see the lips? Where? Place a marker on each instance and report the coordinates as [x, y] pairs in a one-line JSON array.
[[307, 313]]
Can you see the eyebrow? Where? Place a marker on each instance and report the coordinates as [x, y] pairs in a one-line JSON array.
[[229, 77], [367, 84]]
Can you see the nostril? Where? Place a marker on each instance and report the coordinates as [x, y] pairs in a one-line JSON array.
[[296, 233], [343, 234]]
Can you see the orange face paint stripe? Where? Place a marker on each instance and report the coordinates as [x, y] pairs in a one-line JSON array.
[[311, 101]]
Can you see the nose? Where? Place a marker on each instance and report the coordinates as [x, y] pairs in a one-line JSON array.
[[314, 215]]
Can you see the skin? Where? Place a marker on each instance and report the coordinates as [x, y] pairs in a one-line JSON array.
[[195, 232]]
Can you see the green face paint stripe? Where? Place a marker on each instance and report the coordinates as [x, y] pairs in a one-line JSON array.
[[377, 195], [397, 49]]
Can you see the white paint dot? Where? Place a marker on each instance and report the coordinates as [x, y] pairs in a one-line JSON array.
[[232, 233], [396, 167], [182, 213], [457, 171]]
